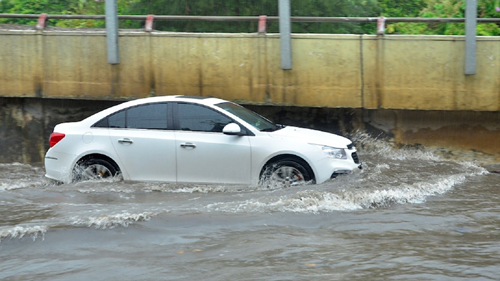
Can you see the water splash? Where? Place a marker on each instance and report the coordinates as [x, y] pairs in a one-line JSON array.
[[312, 201], [374, 146], [19, 176], [391, 176], [124, 187], [113, 220], [19, 232]]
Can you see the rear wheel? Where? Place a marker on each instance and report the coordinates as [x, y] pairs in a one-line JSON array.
[[285, 173], [94, 169]]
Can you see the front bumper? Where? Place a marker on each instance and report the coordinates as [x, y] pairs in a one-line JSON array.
[[343, 172], [329, 168]]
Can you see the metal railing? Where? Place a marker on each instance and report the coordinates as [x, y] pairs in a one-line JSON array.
[[254, 18], [261, 19]]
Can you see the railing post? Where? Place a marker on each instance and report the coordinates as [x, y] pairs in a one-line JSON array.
[[112, 32], [470, 37], [149, 23], [285, 34], [41, 22], [262, 24], [381, 26]]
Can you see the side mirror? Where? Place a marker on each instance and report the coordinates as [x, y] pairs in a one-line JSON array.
[[232, 129]]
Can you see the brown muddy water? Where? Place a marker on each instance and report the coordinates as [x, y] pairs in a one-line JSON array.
[[409, 215]]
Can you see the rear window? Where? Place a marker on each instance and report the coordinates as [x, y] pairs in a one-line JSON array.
[[147, 116]]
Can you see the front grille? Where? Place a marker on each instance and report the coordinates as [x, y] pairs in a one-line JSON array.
[[355, 157]]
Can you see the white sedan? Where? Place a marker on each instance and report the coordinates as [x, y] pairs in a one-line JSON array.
[[183, 139]]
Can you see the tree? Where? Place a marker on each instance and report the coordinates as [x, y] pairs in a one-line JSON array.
[[30, 7], [320, 8], [449, 9], [456, 9], [401, 8], [60, 7]]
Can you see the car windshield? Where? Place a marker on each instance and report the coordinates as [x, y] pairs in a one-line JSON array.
[[258, 122]]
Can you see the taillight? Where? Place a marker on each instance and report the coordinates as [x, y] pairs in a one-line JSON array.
[[55, 138]]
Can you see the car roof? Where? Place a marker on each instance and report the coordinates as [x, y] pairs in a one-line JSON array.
[[191, 99]]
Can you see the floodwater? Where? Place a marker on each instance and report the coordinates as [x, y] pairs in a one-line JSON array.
[[409, 215]]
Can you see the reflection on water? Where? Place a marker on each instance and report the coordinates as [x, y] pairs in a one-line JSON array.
[[409, 214]]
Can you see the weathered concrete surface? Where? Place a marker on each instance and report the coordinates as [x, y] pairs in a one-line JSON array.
[[411, 89], [427, 73], [26, 123], [337, 71], [471, 132]]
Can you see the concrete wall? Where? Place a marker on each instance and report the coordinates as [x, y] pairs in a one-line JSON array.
[[26, 123], [411, 89], [352, 71], [427, 73]]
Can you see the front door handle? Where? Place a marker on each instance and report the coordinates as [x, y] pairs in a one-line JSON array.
[[188, 145], [125, 141]]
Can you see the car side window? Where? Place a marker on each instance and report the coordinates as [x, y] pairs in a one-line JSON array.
[[117, 120], [193, 117], [148, 116]]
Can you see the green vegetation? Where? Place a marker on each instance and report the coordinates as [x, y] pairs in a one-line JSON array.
[[440, 9], [317, 8]]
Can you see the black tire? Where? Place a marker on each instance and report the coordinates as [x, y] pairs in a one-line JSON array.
[[286, 172], [94, 169]]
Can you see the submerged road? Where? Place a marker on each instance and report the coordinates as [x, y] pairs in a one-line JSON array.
[[409, 215]]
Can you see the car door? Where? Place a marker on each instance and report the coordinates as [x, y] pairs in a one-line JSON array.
[[204, 153], [144, 142]]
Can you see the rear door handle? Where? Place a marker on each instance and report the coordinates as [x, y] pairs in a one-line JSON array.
[[188, 145], [125, 141]]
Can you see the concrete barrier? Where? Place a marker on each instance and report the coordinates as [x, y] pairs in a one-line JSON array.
[[408, 88], [427, 73], [347, 71]]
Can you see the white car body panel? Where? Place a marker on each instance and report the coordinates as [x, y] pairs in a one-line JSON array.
[[265, 148], [150, 156], [59, 164], [216, 158], [323, 166], [310, 136]]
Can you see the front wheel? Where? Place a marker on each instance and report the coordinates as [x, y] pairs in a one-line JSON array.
[[286, 173], [94, 169]]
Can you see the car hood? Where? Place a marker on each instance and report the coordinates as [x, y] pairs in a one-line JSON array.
[[311, 136]]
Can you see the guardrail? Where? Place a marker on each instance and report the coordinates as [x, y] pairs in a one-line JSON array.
[[381, 21]]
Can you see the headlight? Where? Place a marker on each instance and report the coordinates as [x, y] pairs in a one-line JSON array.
[[337, 153]]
